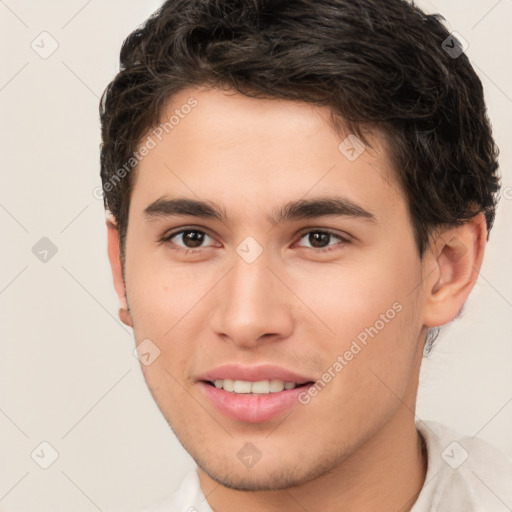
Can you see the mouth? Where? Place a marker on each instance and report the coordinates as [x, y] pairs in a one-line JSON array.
[[255, 393], [253, 402], [262, 387]]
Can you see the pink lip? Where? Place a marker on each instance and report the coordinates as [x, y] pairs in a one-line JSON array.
[[254, 373], [252, 408]]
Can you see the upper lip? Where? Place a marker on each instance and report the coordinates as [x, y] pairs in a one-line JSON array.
[[253, 373]]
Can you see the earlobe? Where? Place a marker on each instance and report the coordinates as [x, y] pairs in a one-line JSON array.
[[457, 258], [126, 318], [117, 271]]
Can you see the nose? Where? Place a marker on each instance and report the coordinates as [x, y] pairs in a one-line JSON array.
[[254, 306]]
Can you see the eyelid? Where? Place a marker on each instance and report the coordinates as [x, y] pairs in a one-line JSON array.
[[166, 237], [344, 238]]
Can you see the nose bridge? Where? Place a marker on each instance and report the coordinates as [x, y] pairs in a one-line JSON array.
[[252, 300], [250, 281]]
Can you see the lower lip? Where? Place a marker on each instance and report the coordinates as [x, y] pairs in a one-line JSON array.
[[252, 408]]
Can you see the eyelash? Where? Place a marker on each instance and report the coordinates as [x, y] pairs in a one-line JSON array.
[[167, 238]]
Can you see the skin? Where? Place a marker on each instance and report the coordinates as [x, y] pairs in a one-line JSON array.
[[354, 446]]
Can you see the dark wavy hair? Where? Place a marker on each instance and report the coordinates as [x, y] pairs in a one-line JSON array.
[[376, 65]]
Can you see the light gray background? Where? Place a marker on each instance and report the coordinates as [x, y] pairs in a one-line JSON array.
[[67, 372]]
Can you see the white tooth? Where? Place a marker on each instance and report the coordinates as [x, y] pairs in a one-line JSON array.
[[276, 386], [241, 386], [261, 387], [228, 385]]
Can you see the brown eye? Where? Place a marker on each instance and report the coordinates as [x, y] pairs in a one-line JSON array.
[[193, 239], [319, 240], [190, 238]]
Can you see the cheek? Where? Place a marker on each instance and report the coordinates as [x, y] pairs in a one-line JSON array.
[[161, 293], [368, 331], [346, 298]]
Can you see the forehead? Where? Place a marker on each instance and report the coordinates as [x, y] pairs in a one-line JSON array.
[[258, 154]]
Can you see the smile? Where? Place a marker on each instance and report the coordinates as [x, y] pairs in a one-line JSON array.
[[261, 387], [252, 402]]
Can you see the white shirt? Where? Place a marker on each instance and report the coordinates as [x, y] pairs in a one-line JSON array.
[[464, 474]]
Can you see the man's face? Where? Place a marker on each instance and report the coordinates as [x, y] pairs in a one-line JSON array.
[[252, 293]]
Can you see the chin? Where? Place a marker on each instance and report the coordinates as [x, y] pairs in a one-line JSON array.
[[264, 477]]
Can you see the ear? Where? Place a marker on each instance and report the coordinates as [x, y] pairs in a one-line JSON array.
[[453, 262], [117, 271]]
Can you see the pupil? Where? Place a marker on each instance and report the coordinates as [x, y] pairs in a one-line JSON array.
[[314, 238], [194, 237]]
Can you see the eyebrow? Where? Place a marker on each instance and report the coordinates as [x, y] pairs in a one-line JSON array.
[[295, 210]]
